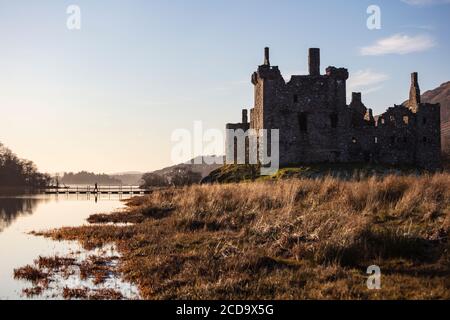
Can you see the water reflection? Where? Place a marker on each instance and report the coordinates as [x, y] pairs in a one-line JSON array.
[[23, 214], [12, 208]]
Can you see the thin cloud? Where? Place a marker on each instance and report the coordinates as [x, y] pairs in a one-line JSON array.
[[423, 3], [371, 90], [366, 81], [422, 27], [399, 44]]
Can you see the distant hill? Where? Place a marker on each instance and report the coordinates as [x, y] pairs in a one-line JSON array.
[[132, 178], [202, 168], [186, 173], [442, 95], [125, 173], [85, 177]]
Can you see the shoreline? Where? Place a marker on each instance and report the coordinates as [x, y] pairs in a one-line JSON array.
[[286, 239], [54, 268]]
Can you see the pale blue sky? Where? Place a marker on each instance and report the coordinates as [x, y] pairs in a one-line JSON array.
[[107, 97]]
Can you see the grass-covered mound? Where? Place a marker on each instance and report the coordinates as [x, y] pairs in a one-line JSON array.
[[242, 173], [284, 239]]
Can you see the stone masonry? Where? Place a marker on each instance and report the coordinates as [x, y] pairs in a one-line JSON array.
[[317, 126]]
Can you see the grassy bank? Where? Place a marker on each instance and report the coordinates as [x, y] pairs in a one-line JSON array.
[[345, 171], [283, 239]]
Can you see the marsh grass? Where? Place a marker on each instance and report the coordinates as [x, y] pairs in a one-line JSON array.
[[31, 273], [284, 239], [97, 268], [85, 293], [46, 269]]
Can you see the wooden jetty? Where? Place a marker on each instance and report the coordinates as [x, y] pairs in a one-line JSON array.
[[128, 190]]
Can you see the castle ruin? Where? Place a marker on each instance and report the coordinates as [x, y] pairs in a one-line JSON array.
[[317, 126]]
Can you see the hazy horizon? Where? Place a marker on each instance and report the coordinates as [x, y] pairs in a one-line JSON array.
[[106, 98]]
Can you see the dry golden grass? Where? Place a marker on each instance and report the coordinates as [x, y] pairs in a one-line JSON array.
[[286, 239], [30, 273]]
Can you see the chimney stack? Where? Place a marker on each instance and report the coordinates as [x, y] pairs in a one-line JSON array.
[[414, 92], [356, 97], [414, 78], [244, 116], [314, 61], [266, 56]]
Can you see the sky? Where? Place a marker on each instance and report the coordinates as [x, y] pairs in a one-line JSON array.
[[108, 96]]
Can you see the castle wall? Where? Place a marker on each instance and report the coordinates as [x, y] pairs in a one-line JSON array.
[[445, 137], [306, 110], [316, 125], [396, 136], [428, 136]]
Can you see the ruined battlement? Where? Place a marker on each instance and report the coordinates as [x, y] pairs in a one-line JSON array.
[[316, 125]]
